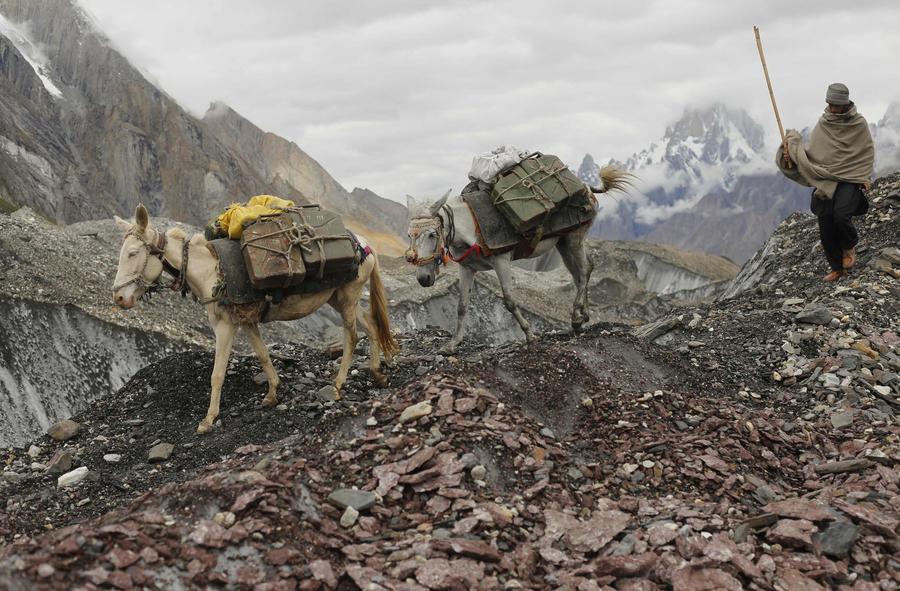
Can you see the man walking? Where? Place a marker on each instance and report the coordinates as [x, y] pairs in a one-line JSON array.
[[838, 164]]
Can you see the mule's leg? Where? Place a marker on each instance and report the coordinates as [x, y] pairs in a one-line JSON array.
[[503, 266], [262, 353], [466, 280], [374, 349], [575, 258], [225, 330], [344, 302]]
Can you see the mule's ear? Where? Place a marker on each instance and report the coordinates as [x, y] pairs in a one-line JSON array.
[[437, 205], [410, 203], [141, 217], [122, 224]]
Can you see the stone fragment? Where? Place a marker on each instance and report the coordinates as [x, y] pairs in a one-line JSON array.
[[321, 571], [64, 430], [160, 452], [112, 458], [814, 314], [415, 411], [327, 394], [800, 509], [479, 472], [358, 499], [796, 533], [225, 518], [34, 451], [625, 566], [60, 463], [73, 477], [349, 517], [839, 420], [837, 539]]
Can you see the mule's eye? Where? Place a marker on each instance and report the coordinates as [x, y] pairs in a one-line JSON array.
[[132, 254], [431, 234]]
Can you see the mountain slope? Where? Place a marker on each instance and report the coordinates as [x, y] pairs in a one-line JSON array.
[[706, 185], [120, 139], [278, 160], [84, 135]]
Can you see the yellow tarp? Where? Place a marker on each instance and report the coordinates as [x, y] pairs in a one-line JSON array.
[[239, 215]]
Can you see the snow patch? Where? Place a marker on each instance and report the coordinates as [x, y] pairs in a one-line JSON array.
[[19, 36], [33, 160]]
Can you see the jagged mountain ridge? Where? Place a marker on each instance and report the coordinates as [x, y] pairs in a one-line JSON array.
[[84, 135], [709, 184]]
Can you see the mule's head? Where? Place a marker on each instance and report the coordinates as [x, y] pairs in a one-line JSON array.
[[426, 238], [139, 263]]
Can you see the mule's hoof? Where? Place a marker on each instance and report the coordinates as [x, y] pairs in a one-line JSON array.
[[448, 349], [269, 402], [204, 427], [530, 338], [337, 396]]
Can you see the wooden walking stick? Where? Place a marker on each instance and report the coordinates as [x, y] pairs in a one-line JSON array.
[[762, 58]]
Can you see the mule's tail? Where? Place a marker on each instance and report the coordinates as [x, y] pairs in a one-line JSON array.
[[614, 179], [378, 307]]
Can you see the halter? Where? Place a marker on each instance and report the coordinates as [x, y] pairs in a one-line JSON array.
[[441, 251], [158, 250], [416, 228]]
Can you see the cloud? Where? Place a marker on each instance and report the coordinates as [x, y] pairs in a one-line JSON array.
[[397, 96]]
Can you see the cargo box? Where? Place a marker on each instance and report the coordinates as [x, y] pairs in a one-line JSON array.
[[326, 246], [271, 258], [527, 193]]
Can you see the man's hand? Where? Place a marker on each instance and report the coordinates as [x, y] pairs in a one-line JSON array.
[[787, 157], [866, 186]]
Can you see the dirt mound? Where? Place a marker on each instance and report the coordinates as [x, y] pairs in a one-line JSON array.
[[575, 463]]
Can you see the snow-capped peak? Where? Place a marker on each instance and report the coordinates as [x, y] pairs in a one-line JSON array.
[[712, 136], [18, 36]]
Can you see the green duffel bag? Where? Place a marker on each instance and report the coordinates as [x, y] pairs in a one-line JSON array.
[[527, 193]]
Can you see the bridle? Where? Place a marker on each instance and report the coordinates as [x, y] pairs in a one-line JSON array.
[[419, 226], [441, 252], [158, 250]]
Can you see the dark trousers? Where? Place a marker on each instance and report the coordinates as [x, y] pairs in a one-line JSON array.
[[836, 221]]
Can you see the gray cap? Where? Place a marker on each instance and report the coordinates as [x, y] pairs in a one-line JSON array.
[[837, 94]]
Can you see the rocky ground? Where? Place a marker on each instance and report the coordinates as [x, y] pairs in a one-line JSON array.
[[751, 443]]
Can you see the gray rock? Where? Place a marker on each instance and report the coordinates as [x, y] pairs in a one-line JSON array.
[[837, 539], [421, 370], [74, 477], [64, 430], [327, 394], [547, 432], [60, 463], [839, 420], [34, 451], [360, 500], [349, 517], [479, 472], [260, 379], [830, 380], [814, 314], [160, 452], [12, 477], [469, 460]]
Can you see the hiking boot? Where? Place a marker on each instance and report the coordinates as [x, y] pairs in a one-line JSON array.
[[849, 258], [835, 275]]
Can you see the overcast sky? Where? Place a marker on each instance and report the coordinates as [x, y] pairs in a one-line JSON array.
[[397, 96]]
